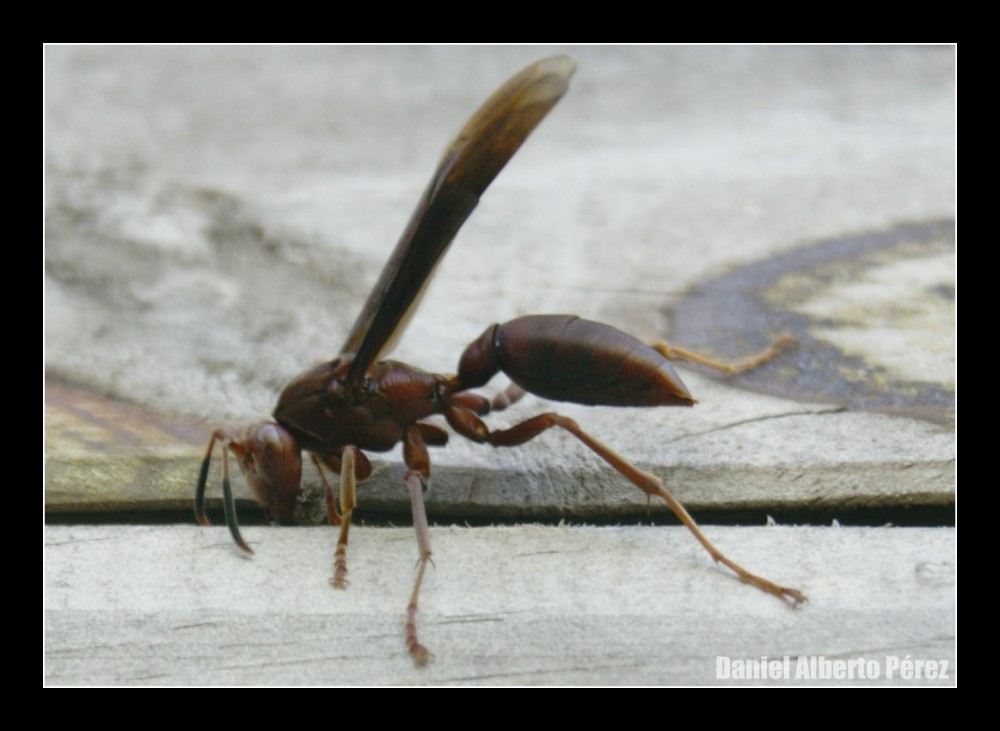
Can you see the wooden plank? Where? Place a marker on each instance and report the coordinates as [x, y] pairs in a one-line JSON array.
[[107, 456], [187, 280], [502, 606], [196, 276]]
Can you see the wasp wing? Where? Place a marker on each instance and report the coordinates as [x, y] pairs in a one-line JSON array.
[[470, 163]]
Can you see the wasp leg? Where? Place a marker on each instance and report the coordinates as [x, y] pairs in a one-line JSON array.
[[348, 500], [470, 426], [671, 352], [417, 476], [507, 398], [332, 514]]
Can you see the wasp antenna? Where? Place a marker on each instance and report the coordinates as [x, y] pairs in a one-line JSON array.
[[199, 494], [230, 505]]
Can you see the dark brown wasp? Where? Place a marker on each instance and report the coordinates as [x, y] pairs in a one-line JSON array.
[[356, 403]]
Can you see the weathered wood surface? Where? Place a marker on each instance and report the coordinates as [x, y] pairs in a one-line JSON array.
[[215, 217], [502, 606]]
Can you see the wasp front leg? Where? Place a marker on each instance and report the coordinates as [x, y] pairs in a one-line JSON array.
[[354, 466]]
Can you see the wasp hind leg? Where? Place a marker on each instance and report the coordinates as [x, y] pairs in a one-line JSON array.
[[671, 352], [473, 428]]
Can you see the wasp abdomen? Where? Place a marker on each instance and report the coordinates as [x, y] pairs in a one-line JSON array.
[[567, 358]]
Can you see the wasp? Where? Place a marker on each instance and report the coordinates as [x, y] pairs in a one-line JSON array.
[[357, 403]]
